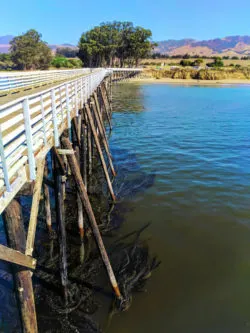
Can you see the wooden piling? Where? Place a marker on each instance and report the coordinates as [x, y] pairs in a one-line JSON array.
[[35, 207], [47, 201], [83, 153], [103, 137], [79, 204], [89, 144], [17, 241], [87, 205], [105, 107], [60, 217], [100, 152], [98, 108]]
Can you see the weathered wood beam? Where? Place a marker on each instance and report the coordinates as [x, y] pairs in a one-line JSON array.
[[35, 207], [103, 138], [100, 151], [105, 107], [16, 257], [60, 218], [47, 201], [59, 161], [17, 241], [65, 151]]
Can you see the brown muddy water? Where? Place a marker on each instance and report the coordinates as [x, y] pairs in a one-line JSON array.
[[183, 163]]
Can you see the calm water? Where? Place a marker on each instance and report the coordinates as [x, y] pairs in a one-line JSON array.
[[183, 157]]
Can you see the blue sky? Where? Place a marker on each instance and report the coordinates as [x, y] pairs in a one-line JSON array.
[[64, 21]]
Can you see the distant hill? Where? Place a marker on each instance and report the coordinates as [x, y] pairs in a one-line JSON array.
[[228, 46], [5, 40]]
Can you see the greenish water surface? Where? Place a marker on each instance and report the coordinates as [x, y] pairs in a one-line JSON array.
[[183, 160]]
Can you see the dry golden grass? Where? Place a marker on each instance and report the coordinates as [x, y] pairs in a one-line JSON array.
[[167, 62]]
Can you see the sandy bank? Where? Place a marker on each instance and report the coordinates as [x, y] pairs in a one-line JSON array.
[[192, 81]]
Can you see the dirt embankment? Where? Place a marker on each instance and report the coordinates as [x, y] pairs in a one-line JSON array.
[[203, 74]]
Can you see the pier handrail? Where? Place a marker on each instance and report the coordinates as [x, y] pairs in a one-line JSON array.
[[14, 81], [31, 125]]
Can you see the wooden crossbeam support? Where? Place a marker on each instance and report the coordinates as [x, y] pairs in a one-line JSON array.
[[16, 257], [35, 207], [65, 151]]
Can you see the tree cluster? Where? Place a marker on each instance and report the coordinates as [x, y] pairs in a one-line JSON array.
[[216, 63], [186, 62], [159, 55], [63, 62], [115, 44], [67, 52], [28, 51]]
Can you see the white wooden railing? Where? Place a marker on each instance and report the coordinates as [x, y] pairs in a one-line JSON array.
[[13, 81], [31, 125]]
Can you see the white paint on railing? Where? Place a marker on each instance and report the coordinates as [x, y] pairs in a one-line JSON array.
[[21, 80], [31, 125]]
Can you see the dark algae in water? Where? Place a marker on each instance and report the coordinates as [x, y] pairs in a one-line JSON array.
[[88, 287]]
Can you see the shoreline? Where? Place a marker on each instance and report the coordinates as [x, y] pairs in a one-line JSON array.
[[192, 81]]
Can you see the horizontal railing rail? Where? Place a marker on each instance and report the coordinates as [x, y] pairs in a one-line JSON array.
[[31, 125], [13, 81], [115, 69]]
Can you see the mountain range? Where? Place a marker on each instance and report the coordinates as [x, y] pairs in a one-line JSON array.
[[227, 46], [5, 44]]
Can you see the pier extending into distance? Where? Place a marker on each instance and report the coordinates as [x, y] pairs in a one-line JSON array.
[[52, 130]]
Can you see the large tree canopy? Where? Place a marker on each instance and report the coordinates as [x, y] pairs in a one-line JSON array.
[[114, 43], [28, 51]]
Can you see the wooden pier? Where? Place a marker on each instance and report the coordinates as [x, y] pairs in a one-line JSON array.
[[43, 124]]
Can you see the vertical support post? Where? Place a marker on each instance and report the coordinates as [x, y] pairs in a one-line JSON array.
[[76, 99], [59, 203], [34, 208], [83, 154], [29, 140], [89, 143], [4, 163], [105, 107], [103, 138], [54, 118], [43, 119], [47, 201], [23, 282], [100, 152]]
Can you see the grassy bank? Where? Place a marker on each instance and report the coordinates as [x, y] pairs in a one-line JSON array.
[[202, 74]]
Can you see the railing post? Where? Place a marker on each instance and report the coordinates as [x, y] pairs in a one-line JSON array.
[[76, 98], [43, 119], [54, 118], [68, 106], [29, 140], [82, 93], [4, 163]]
